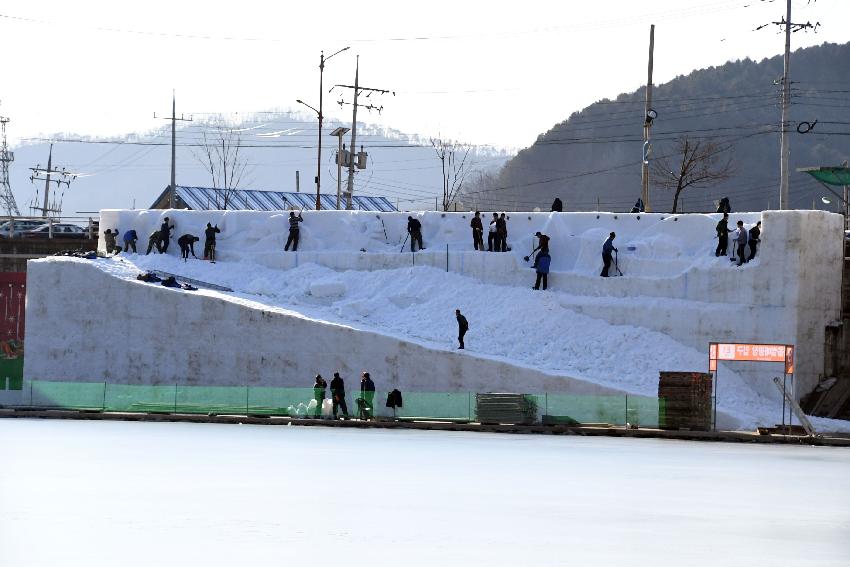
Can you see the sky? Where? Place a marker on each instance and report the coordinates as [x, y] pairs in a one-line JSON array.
[[498, 73]]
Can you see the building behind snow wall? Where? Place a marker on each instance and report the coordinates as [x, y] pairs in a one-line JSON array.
[[672, 284]]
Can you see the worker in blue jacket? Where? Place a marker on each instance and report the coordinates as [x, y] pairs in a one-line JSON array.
[[607, 256], [130, 238], [541, 264]]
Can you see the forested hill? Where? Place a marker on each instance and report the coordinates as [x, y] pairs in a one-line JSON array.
[[595, 154]]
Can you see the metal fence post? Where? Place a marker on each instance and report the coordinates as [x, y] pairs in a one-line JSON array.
[[447, 256]]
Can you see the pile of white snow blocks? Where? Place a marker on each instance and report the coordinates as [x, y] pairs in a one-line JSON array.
[[88, 322]]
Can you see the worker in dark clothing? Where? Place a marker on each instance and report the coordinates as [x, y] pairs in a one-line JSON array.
[[493, 234], [109, 237], [338, 395], [293, 231], [154, 240], [164, 236], [755, 233], [477, 232], [130, 238], [414, 228], [541, 265], [557, 205], [209, 241], [319, 394], [542, 245], [607, 256], [723, 231], [502, 230], [639, 207], [187, 244], [366, 402], [462, 327], [724, 206]]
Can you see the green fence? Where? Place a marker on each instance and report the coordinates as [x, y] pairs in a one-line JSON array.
[[552, 408]]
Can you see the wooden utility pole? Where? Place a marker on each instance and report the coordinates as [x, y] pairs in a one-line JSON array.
[[647, 124]]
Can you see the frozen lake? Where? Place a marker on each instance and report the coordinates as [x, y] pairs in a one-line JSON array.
[[157, 494]]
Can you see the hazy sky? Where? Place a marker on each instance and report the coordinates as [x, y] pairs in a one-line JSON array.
[[484, 72]]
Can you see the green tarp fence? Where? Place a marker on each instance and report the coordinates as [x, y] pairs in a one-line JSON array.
[[296, 402]]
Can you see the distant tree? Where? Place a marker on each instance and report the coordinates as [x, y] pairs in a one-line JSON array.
[[222, 157], [452, 156], [696, 164]]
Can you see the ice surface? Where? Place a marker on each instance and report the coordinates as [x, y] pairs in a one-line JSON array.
[[136, 494]]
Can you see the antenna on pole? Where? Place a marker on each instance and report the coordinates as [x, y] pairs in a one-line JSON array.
[[7, 198]]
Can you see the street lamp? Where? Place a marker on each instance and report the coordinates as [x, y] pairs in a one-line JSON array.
[[322, 60]]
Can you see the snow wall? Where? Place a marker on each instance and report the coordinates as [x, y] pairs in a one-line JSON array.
[[673, 284]]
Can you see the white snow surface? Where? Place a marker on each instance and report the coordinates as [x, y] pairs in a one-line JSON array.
[[520, 325]]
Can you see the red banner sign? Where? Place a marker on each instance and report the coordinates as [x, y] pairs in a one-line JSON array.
[[744, 352]]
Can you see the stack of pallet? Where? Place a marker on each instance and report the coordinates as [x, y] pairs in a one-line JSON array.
[[505, 408], [684, 401]]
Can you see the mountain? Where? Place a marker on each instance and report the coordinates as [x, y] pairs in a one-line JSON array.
[[593, 158], [131, 171]]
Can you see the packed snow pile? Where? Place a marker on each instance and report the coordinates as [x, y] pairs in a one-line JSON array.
[[350, 299]]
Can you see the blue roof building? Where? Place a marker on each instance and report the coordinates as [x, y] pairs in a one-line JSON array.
[[209, 199]]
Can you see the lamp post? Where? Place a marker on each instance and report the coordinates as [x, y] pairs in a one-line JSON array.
[[339, 133], [322, 60]]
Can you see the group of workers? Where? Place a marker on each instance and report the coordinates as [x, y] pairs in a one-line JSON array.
[[365, 403], [159, 239]]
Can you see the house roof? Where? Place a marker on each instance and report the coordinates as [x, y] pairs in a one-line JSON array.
[[207, 198]]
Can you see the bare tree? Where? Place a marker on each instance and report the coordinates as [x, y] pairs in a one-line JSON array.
[[222, 157], [693, 164], [452, 156]]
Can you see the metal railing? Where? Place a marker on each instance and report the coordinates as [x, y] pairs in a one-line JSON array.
[[550, 408]]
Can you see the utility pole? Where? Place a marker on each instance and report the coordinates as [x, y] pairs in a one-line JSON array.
[[7, 198], [340, 161], [784, 140], [647, 124], [172, 188], [360, 162], [39, 174], [785, 143]]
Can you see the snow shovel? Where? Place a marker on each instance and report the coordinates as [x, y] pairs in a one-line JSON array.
[[616, 266], [527, 258], [405, 242]]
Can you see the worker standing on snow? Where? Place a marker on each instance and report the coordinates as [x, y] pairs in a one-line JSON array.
[[293, 231], [723, 231], [130, 238], [557, 205], [187, 244], [755, 234], [414, 228], [319, 394], [338, 395], [366, 401], [741, 238], [493, 235], [724, 206], [209, 241], [607, 256], [502, 230], [164, 236], [153, 240], [477, 232], [462, 327], [541, 265], [109, 236]]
